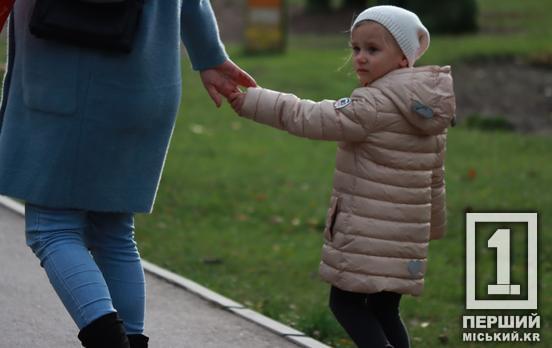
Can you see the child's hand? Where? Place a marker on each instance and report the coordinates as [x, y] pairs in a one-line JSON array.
[[236, 100]]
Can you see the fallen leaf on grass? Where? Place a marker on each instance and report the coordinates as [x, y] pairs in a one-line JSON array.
[[345, 341], [472, 174], [242, 217], [197, 129], [313, 222], [212, 260], [261, 197]]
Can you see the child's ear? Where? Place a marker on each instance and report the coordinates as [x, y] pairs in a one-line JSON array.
[[404, 62]]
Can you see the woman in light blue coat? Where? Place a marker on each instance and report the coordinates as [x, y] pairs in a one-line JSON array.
[[83, 137]]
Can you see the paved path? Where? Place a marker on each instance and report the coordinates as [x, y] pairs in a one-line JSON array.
[[31, 315]]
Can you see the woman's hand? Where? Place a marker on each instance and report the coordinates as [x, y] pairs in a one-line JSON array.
[[224, 79]]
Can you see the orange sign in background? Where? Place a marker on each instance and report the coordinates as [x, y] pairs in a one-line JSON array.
[[5, 10], [266, 3], [266, 26]]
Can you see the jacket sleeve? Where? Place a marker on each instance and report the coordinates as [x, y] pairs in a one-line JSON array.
[[438, 204], [308, 119], [200, 35]]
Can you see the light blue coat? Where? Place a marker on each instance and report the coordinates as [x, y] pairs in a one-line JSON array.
[[87, 129]]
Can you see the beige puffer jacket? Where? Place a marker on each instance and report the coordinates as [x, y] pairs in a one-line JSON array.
[[388, 198]]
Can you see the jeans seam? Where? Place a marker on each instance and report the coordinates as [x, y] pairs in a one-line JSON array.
[[61, 279]]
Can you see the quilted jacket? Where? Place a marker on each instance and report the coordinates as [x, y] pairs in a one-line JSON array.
[[388, 197]]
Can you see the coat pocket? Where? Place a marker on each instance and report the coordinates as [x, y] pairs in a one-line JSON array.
[[50, 75], [330, 218]]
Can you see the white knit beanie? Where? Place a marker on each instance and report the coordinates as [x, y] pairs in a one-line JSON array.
[[405, 26]]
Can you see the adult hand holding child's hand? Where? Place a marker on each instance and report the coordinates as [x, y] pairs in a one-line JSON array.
[[224, 79]]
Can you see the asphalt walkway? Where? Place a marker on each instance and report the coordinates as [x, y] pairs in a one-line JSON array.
[[180, 313]]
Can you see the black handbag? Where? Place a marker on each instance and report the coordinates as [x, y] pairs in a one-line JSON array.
[[103, 24]]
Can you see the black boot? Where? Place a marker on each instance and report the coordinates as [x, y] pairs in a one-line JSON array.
[[138, 341], [105, 332]]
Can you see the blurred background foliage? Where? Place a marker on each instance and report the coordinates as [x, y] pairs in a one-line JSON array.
[[440, 16]]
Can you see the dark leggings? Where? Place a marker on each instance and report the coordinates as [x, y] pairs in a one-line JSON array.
[[371, 320]]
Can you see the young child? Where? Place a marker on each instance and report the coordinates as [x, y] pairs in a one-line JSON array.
[[388, 198]]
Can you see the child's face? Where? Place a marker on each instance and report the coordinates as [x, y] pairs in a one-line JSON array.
[[375, 52]]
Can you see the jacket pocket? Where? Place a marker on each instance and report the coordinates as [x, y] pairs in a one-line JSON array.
[[50, 75], [330, 218]]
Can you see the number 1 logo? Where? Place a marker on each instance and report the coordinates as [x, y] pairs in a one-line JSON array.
[[501, 241]]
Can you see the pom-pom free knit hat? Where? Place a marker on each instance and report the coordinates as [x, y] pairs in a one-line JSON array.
[[405, 26]]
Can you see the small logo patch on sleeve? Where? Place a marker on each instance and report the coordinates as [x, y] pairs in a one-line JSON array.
[[341, 103], [415, 268], [421, 109]]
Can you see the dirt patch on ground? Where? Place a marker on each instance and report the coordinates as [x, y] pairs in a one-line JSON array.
[[516, 91]]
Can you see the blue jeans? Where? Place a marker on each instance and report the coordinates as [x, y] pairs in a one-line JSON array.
[[92, 262]]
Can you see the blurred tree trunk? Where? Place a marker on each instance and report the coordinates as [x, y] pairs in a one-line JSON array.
[[442, 16], [358, 5], [400, 3], [318, 6]]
